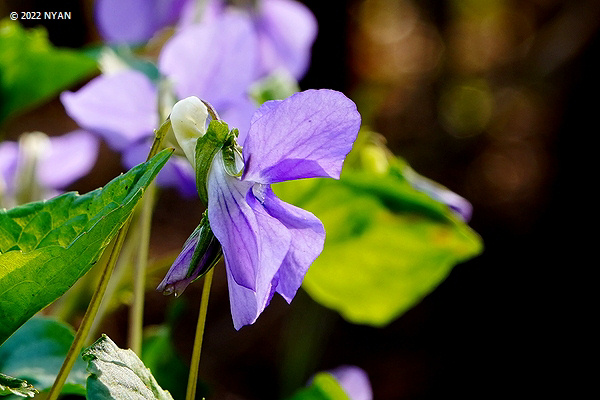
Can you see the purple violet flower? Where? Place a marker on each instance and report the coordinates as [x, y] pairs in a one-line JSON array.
[[282, 32], [268, 245], [55, 162], [285, 31]]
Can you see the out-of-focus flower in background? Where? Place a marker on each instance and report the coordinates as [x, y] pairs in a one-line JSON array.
[[38, 167], [279, 33]]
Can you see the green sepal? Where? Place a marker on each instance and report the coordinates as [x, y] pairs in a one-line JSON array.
[[206, 148], [230, 148]]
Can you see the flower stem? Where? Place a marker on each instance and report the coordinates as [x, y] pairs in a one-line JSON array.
[[136, 312], [193, 377], [88, 318]]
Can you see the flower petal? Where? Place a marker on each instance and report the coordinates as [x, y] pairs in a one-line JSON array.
[[69, 157], [307, 135], [214, 61], [134, 21], [254, 243], [287, 30], [308, 237], [122, 108]]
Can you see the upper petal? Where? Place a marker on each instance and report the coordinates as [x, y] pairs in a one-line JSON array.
[[308, 237], [287, 30], [215, 61], [254, 243], [120, 107], [307, 135]]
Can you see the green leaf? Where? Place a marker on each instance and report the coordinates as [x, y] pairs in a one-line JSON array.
[[45, 247], [36, 352], [388, 244], [324, 386], [119, 374], [19, 387], [32, 70]]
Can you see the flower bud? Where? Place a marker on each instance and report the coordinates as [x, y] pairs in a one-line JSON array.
[[188, 119], [200, 253]]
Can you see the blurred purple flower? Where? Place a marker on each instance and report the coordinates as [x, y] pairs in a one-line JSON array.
[[122, 108], [135, 21], [56, 161], [285, 31], [268, 245], [278, 33], [354, 381]]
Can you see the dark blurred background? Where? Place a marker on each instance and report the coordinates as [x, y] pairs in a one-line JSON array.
[[494, 99]]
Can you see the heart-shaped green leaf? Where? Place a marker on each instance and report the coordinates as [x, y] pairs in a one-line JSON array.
[[388, 244], [45, 247]]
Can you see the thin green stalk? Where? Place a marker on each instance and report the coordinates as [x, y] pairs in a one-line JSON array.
[[88, 318], [94, 305], [123, 265], [195, 363], [136, 312]]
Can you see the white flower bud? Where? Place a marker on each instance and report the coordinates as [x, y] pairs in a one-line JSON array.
[[188, 120]]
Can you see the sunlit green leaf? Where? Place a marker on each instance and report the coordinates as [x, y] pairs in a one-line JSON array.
[[323, 387], [46, 246], [119, 374], [387, 246], [36, 352], [32, 70]]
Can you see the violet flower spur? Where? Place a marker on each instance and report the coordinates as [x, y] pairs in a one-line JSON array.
[[268, 245]]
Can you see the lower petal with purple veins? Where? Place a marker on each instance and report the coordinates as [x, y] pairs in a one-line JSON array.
[[254, 243], [307, 239]]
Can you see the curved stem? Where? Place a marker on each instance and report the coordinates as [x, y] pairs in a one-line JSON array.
[[193, 377], [136, 312], [88, 318]]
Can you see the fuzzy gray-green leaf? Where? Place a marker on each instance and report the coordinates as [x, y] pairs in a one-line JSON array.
[[119, 374]]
